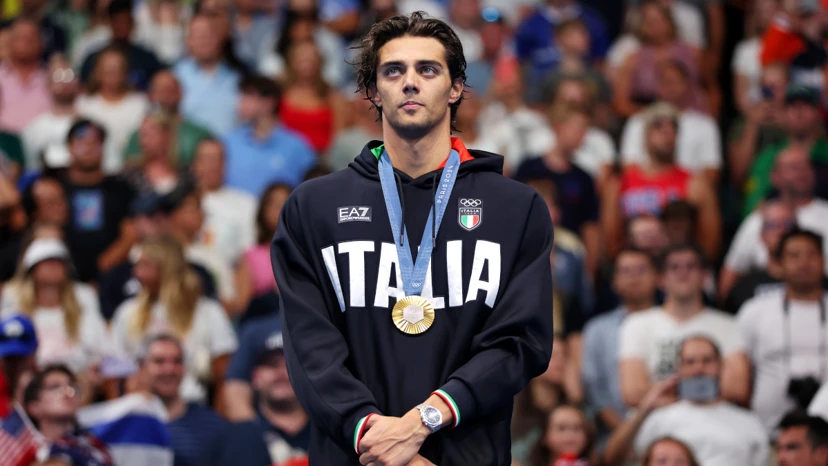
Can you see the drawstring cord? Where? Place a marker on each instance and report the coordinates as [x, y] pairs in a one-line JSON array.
[[433, 208], [402, 207]]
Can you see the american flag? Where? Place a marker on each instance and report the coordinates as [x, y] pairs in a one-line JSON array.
[[18, 440]]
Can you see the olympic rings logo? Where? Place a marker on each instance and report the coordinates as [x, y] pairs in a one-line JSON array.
[[470, 202]]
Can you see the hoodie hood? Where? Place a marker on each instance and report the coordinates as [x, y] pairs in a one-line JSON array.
[[367, 163]]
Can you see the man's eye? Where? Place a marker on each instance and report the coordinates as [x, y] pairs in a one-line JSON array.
[[429, 70], [392, 71]]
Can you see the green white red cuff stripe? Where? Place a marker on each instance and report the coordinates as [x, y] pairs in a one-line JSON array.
[[451, 404], [359, 430]]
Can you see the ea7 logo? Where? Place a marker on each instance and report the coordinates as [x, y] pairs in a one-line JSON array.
[[354, 214]]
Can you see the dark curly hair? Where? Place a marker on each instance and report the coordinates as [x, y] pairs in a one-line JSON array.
[[414, 25]]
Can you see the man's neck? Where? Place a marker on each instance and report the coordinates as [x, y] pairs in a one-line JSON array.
[[813, 294], [208, 65], [56, 429], [638, 305], [416, 157], [290, 422], [558, 159], [794, 200], [63, 109], [774, 268], [24, 68], [84, 177], [263, 127], [683, 309], [176, 407], [654, 167]]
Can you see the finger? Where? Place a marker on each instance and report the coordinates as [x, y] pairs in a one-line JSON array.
[[367, 458]]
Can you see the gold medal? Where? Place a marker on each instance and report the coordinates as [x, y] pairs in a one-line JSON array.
[[413, 315]]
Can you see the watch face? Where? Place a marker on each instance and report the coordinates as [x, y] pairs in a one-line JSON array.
[[433, 416]]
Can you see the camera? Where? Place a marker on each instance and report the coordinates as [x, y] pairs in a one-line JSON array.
[[803, 390]]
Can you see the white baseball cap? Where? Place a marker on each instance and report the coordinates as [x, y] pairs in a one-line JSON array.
[[43, 249]]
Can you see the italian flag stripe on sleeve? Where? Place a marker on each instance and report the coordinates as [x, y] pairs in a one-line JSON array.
[[451, 404], [359, 430]]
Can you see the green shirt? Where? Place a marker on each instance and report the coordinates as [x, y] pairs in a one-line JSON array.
[[759, 184], [11, 148], [187, 136]]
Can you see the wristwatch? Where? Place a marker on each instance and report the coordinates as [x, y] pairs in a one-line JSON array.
[[431, 417]]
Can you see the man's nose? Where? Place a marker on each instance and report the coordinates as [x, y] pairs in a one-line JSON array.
[[411, 81]]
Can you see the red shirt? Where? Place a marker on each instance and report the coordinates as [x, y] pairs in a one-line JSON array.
[[644, 194], [5, 401]]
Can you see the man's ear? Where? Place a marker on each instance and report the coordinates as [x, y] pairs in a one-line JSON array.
[[374, 96], [456, 91]]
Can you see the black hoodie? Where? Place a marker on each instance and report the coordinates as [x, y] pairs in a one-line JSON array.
[[334, 260]]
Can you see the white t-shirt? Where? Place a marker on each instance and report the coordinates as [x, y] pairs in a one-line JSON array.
[[524, 132], [764, 326], [120, 119], [655, 336], [229, 222], [698, 146], [44, 131], [746, 63], [749, 252], [211, 335], [721, 434], [54, 344]]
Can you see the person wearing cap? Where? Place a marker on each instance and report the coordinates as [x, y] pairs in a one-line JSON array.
[[99, 233], [805, 129], [65, 312], [646, 189], [18, 345], [279, 418]]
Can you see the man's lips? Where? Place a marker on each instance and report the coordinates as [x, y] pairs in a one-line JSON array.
[[410, 105]]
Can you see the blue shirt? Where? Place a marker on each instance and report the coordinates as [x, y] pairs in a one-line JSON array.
[[252, 338], [600, 361], [253, 164], [209, 99], [194, 434]]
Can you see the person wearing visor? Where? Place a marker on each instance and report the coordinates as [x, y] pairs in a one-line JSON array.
[[18, 345]]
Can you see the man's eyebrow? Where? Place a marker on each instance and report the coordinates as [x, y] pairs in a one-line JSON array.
[[434, 63]]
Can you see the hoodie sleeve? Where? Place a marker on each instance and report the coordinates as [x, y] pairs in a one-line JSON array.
[[515, 344], [315, 349]]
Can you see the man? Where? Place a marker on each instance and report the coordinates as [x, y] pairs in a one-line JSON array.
[[634, 280], [805, 129], [395, 388], [210, 86], [253, 30], [280, 420], [165, 92], [229, 214], [698, 147], [650, 339], [802, 441], [52, 35], [194, 428], [142, 62], [794, 178], [719, 433], [46, 134], [18, 346], [646, 189], [365, 127], [253, 336], [785, 333], [262, 151], [99, 234], [24, 85]]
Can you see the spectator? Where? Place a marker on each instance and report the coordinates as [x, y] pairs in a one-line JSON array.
[[211, 87], [467, 125], [48, 131], [253, 336], [51, 401], [646, 189], [669, 451], [804, 124], [308, 105], [568, 439], [46, 206], [648, 347], [159, 27], [761, 126], [634, 280], [280, 420], [802, 441], [576, 190], [747, 67], [793, 177], [350, 141], [165, 93], [18, 345], [157, 169], [648, 234], [465, 20], [252, 29], [52, 35], [229, 214], [12, 160], [65, 312], [141, 63], [698, 145], [263, 151], [194, 429], [719, 432], [111, 102], [636, 83], [24, 84], [495, 52], [99, 234], [787, 374], [170, 301]]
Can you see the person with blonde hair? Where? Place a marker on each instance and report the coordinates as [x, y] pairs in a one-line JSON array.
[[157, 168], [668, 451], [171, 301], [65, 313]]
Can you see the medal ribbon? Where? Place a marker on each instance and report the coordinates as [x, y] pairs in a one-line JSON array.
[[413, 274]]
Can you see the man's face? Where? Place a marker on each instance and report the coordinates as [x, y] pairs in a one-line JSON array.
[[661, 140], [492, 35], [570, 133], [24, 42], [86, 149], [271, 381], [414, 88], [571, 93], [698, 359], [683, 276], [59, 399], [672, 86], [635, 277], [122, 26], [794, 449], [802, 264], [803, 119], [648, 234], [165, 91], [202, 41], [466, 13], [777, 219], [793, 174], [50, 201], [208, 165], [189, 216], [252, 106], [164, 369], [64, 84]]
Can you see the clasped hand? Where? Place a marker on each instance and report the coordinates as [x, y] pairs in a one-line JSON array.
[[393, 441]]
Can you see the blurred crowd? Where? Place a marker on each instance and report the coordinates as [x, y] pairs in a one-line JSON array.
[[147, 146]]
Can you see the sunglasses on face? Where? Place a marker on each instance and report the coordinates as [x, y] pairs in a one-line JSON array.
[[70, 391], [63, 75]]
